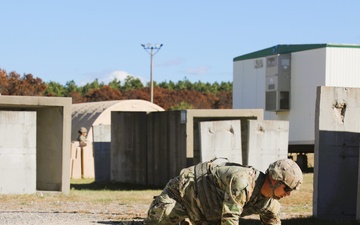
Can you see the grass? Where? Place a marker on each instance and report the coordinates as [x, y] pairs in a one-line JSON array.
[[91, 191]]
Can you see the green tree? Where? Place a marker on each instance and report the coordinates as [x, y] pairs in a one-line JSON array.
[[181, 106], [55, 89], [214, 87], [225, 86], [70, 86], [200, 87], [115, 84], [169, 86], [180, 85], [131, 83], [89, 86]]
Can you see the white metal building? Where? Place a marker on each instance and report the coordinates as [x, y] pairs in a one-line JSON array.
[[282, 80]]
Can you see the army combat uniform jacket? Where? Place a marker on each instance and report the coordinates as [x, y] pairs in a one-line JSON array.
[[213, 193]]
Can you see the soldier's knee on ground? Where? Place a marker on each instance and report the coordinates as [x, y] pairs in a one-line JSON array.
[[159, 210]]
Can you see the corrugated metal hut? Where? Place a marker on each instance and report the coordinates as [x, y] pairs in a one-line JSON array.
[[96, 118]]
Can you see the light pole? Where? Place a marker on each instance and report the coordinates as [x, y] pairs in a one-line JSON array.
[[148, 47]]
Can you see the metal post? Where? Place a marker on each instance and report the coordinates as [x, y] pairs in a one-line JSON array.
[[151, 75], [152, 53]]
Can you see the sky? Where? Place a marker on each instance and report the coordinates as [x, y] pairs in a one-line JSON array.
[[78, 40]]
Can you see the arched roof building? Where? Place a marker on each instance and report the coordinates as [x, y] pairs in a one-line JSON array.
[[95, 113]]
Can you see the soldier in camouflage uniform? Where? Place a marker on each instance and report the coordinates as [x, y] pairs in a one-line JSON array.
[[221, 192], [82, 137]]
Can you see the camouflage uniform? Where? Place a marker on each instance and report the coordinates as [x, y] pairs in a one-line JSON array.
[[81, 138], [213, 193]]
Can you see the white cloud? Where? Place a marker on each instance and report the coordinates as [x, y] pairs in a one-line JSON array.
[[107, 77], [119, 75]]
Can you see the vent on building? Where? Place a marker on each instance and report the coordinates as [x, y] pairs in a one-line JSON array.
[[271, 86], [278, 74], [277, 101]]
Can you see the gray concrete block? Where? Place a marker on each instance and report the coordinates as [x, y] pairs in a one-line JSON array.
[[337, 137], [17, 152], [268, 142], [221, 139]]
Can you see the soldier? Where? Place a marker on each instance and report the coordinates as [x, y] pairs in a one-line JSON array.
[[217, 192], [82, 137]]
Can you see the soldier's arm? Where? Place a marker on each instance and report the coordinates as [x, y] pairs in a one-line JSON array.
[[235, 197], [270, 216]]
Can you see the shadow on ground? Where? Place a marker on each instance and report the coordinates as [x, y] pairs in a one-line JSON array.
[[293, 221]]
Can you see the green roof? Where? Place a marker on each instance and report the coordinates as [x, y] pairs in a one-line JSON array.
[[283, 49]]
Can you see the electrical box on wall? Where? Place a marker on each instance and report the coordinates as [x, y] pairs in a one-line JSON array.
[[278, 75]]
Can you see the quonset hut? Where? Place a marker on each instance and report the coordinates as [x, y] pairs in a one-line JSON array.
[[93, 160], [95, 113]]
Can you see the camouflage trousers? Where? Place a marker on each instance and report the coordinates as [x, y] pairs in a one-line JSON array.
[[166, 208]]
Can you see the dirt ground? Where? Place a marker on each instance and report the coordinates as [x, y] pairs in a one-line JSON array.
[[16, 213]]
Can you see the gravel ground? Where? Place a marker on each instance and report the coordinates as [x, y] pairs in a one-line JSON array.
[[42, 218], [71, 213], [51, 218]]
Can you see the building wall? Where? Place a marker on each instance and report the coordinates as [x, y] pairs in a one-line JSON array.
[[343, 67], [328, 66], [248, 85], [307, 72]]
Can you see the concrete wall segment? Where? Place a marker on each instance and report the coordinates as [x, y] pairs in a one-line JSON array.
[[17, 152], [268, 142], [337, 153], [52, 136], [193, 116], [128, 154], [221, 139]]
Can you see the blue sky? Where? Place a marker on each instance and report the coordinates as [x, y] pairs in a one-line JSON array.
[[83, 40]]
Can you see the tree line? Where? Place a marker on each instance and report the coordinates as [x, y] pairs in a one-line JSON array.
[[168, 95]]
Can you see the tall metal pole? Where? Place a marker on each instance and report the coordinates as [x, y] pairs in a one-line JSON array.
[[151, 76], [148, 47]]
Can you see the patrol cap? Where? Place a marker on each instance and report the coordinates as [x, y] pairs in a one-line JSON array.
[[287, 171], [82, 130]]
